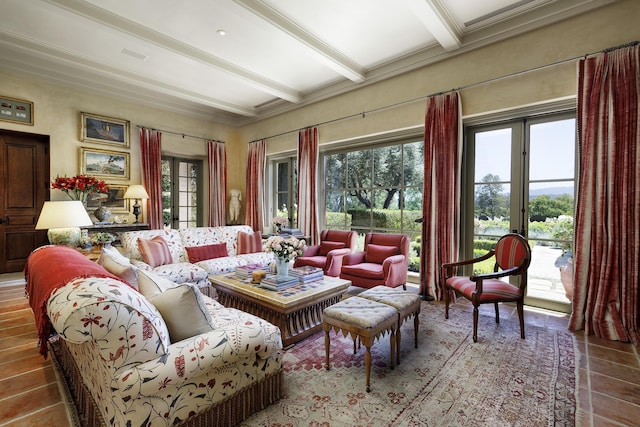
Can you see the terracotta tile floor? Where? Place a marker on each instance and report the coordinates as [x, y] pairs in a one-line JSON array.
[[608, 372]]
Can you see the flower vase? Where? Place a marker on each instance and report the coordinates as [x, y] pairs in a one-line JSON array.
[[282, 268], [277, 228]]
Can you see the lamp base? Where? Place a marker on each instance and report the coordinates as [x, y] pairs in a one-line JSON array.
[[64, 236], [136, 211]]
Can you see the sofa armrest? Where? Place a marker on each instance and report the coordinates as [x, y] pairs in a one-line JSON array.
[[125, 327], [353, 258], [187, 359]]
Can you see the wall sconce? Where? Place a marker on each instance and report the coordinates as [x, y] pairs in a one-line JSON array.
[[136, 192], [63, 220]]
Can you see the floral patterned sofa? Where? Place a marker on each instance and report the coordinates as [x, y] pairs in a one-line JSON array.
[[180, 269], [130, 360]]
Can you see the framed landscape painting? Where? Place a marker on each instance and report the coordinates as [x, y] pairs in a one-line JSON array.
[[104, 164], [104, 130]]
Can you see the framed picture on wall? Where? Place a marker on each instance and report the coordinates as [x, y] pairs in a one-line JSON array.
[[104, 130], [104, 164], [113, 200], [16, 111]]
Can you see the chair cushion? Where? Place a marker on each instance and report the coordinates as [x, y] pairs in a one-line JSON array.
[[183, 311], [365, 269], [492, 289], [326, 247], [314, 261], [249, 243], [155, 251], [205, 252], [378, 253]]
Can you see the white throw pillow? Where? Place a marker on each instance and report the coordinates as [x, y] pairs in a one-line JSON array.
[[150, 284], [118, 265], [184, 312]]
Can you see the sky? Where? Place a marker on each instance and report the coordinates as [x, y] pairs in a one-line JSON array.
[[552, 153]]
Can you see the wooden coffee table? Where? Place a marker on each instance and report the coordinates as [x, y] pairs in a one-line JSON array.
[[296, 311]]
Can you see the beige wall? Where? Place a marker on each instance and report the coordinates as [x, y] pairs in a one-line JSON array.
[[606, 27], [57, 108], [57, 114]]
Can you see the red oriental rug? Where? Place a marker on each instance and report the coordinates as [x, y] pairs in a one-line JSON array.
[[448, 381]]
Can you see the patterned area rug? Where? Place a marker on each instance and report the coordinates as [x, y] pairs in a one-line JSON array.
[[448, 381]]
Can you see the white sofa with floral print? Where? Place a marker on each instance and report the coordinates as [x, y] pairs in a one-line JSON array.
[[116, 345], [181, 270]]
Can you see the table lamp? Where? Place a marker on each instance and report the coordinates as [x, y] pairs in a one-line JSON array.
[[63, 220], [136, 192]]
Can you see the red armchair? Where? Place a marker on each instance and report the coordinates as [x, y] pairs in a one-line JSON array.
[[334, 244], [384, 261]]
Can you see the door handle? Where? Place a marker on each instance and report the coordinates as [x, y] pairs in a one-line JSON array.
[[3, 220]]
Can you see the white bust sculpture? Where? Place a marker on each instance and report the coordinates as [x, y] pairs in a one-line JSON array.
[[234, 205]]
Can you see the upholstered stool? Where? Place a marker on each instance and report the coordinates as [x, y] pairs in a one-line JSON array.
[[364, 320], [406, 303]]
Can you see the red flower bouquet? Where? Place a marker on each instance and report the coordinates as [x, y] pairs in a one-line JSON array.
[[80, 187]]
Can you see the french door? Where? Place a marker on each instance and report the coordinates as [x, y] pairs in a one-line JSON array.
[[181, 192], [520, 177]]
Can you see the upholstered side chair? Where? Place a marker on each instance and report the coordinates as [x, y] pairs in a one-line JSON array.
[[384, 261], [512, 258], [334, 245]]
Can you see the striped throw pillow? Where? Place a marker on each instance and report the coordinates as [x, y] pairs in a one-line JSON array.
[[155, 251]]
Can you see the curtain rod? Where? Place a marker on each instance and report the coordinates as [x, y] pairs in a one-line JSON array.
[[183, 135], [471, 85]]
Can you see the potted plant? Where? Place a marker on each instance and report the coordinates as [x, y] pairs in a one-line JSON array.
[[564, 231], [102, 239]]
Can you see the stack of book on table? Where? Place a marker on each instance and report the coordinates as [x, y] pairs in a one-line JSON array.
[[295, 232], [275, 283], [307, 273], [244, 272]]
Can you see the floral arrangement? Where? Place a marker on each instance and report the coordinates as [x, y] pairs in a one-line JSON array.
[[288, 249], [80, 187], [280, 221], [99, 238]]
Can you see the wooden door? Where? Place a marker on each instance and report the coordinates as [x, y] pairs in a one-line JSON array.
[[24, 163]]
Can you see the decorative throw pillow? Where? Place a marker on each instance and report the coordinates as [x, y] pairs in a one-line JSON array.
[[183, 311], [205, 252], [249, 243], [151, 285], [326, 247], [378, 253], [155, 251], [117, 264]]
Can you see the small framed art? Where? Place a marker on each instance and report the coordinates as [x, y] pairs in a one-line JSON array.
[[16, 111], [104, 164], [104, 130], [113, 200]]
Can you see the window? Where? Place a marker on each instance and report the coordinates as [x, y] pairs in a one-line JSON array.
[[521, 178], [181, 192], [285, 176], [376, 189]]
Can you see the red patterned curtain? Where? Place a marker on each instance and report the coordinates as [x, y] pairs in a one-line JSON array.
[[607, 229], [256, 161], [441, 196], [307, 178], [217, 159], [151, 153]]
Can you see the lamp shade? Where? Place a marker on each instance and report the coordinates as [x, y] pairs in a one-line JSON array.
[[136, 192], [63, 214]]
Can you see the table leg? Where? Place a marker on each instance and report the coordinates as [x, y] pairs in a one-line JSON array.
[[327, 346]]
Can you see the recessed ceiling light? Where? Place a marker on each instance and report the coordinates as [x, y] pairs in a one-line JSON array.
[[222, 33]]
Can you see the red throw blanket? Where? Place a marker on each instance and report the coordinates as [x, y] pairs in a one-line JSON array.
[[49, 268]]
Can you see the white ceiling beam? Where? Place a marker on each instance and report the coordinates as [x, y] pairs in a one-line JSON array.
[[21, 46], [321, 50], [438, 22], [124, 25]]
